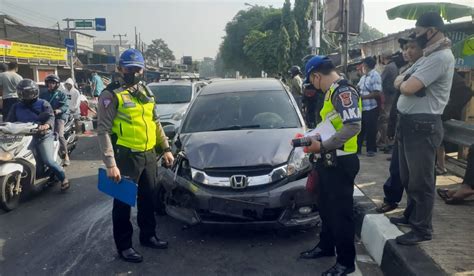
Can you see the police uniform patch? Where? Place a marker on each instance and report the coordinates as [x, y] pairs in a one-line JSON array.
[[126, 98], [106, 102], [346, 98]]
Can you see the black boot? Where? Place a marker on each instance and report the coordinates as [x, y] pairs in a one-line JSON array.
[[316, 253]]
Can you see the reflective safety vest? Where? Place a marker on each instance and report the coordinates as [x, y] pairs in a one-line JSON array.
[[329, 112], [134, 124]]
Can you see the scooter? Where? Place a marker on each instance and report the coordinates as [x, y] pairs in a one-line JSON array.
[[70, 134], [19, 172]]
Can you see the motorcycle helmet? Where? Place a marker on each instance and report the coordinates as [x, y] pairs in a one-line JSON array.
[[54, 79], [28, 91], [294, 70]]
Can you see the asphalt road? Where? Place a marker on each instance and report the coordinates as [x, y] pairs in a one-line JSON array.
[[71, 234]]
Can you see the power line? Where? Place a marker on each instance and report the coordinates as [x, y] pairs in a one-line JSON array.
[[33, 13]]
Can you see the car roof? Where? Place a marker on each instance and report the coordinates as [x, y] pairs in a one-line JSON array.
[[230, 86]]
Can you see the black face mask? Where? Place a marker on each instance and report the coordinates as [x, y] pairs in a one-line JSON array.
[[132, 78], [423, 39]]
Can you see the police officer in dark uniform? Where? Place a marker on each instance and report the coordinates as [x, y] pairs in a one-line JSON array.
[[338, 166], [128, 131]]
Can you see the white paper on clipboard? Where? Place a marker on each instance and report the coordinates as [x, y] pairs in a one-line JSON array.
[[325, 129]]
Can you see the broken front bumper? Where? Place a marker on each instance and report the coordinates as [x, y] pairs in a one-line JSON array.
[[277, 204]]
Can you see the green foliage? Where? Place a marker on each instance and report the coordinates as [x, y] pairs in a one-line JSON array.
[[368, 33], [269, 39], [158, 51]]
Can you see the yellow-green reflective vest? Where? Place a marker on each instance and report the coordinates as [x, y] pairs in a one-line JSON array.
[[329, 112], [134, 124]]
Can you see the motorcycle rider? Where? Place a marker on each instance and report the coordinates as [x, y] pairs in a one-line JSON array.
[[296, 83], [74, 103], [28, 110], [59, 102]]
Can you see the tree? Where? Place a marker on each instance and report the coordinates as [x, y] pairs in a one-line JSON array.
[[367, 34], [158, 51], [302, 12], [283, 50]]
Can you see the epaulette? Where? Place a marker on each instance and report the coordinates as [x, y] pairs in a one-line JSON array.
[[113, 87]]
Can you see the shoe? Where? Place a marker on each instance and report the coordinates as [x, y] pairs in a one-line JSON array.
[[386, 207], [316, 253], [370, 154], [130, 255], [339, 270], [412, 238], [66, 162], [65, 185], [154, 242], [400, 221]]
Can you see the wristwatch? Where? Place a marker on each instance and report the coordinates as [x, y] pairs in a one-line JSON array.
[[168, 149]]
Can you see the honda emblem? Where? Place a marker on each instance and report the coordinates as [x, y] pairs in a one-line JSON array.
[[238, 181]]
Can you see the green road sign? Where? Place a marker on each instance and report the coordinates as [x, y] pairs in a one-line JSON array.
[[84, 23]]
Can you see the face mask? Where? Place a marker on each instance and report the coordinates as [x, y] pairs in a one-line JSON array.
[[423, 39], [132, 78]]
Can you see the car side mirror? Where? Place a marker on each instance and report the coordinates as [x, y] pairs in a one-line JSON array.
[[170, 131]]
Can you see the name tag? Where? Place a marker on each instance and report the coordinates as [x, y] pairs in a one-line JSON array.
[[127, 101]]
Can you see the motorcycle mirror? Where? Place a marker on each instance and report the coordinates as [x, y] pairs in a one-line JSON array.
[[44, 117]]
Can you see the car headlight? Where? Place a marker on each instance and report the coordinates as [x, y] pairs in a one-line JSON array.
[[298, 161], [177, 116], [5, 156]]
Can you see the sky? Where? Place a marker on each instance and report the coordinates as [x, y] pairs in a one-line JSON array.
[[190, 27]]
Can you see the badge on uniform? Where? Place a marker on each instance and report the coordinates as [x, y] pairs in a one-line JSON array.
[[127, 100], [106, 102], [346, 98]]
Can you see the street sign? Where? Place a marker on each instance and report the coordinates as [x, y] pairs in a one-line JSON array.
[[84, 24], [100, 24], [69, 43]]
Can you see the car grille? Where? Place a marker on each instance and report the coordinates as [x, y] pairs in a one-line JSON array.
[[247, 171]]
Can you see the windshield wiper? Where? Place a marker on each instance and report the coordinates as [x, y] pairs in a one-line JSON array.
[[236, 127]]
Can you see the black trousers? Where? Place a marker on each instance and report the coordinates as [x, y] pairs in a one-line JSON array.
[[469, 175], [369, 130], [141, 168], [336, 208], [419, 137], [393, 188], [7, 105]]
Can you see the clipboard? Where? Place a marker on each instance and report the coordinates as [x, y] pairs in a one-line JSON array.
[[125, 190]]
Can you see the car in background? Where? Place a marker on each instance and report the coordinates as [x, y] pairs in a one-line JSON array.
[[234, 160], [172, 98]]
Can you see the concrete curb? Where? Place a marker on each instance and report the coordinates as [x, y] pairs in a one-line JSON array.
[[378, 236]]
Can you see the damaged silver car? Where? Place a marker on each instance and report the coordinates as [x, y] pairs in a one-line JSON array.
[[235, 163]]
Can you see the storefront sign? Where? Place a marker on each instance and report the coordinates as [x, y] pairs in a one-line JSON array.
[[34, 51]]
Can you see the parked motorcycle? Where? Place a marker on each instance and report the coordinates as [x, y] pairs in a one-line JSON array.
[[18, 167]]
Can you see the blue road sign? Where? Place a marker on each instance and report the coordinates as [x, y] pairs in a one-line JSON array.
[[69, 43], [100, 24]]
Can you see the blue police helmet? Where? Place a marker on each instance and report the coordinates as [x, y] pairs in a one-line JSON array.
[[132, 58], [313, 64]]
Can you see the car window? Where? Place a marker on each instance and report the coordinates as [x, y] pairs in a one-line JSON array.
[[241, 110], [169, 94]]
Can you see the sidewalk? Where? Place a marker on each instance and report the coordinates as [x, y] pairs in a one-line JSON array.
[[452, 247]]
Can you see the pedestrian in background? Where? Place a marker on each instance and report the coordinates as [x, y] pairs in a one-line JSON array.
[[8, 83], [74, 103], [97, 85], [424, 95], [370, 86], [296, 84], [390, 72]]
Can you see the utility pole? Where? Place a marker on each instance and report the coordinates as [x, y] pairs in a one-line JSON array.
[[315, 29], [120, 37], [139, 41], [136, 38], [70, 52], [345, 40]]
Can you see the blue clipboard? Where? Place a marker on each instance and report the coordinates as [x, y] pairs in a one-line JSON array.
[[125, 190]]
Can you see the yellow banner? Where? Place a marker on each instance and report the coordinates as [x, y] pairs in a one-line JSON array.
[[25, 50]]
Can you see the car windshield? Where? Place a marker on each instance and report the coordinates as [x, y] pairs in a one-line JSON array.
[[171, 94], [241, 110]]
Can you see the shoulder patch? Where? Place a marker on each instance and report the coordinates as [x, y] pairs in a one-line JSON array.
[[346, 98]]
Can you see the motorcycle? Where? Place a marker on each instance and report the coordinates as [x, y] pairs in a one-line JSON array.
[[19, 171], [70, 134]]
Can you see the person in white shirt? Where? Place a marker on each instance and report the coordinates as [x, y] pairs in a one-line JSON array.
[[74, 102]]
